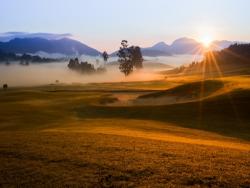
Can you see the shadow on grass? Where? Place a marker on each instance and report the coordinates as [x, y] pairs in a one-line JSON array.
[[227, 114], [189, 90]]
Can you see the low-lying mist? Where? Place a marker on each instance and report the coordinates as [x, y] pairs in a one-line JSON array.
[[41, 74], [48, 73]]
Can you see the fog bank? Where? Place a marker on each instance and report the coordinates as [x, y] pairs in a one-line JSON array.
[[41, 74], [48, 73]]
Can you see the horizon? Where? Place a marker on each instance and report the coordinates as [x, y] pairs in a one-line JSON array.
[[102, 26], [57, 36]]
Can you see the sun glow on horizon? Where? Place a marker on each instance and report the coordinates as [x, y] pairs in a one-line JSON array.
[[206, 41]]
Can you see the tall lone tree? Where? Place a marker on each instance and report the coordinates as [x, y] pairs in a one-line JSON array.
[[105, 57], [137, 57], [129, 57]]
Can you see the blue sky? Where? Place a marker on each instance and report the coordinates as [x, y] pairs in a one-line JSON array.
[[104, 23]]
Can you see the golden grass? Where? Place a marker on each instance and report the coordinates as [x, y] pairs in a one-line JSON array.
[[45, 159], [44, 142], [151, 130]]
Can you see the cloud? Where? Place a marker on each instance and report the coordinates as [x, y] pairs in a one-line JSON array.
[[5, 37]]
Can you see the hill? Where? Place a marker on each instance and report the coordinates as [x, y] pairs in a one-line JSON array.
[[33, 45], [66, 136], [188, 91], [159, 49], [232, 60], [182, 46]]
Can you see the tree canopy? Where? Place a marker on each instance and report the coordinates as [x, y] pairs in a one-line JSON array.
[[129, 57]]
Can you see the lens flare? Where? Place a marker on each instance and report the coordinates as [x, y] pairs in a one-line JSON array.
[[206, 41]]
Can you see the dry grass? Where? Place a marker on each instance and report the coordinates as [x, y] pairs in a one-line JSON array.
[[63, 136], [100, 160]]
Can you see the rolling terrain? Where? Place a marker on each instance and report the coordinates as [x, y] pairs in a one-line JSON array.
[[112, 135]]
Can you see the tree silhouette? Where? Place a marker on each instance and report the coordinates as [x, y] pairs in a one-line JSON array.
[[83, 67], [129, 57], [105, 56], [137, 57]]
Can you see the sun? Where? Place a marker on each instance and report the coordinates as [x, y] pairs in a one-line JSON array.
[[206, 41]]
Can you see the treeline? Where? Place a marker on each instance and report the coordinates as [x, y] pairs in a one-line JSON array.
[[84, 67], [235, 57], [240, 49], [5, 57], [24, 59], [238, 54], [37, 59]]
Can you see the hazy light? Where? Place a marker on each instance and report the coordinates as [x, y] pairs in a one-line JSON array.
[[206, 41]]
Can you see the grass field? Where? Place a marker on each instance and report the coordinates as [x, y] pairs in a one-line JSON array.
[[73, 135]]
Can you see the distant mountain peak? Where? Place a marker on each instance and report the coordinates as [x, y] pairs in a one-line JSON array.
[[23, 42], [160, 44], [33, 45], [183, 45]]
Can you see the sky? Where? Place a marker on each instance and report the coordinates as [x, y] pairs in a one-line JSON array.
[[104, 23]]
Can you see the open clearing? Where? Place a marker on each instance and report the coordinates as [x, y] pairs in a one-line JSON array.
[[79, 135]]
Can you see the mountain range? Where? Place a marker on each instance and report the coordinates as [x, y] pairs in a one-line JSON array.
[[183, 46], [64, 46], [47, 43]]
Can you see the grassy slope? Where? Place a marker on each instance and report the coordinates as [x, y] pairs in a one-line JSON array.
[[225, 113], [192, 90], [65, 138], [228, 114]]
